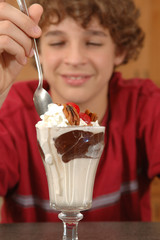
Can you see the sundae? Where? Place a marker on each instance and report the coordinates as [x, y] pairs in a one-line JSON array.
[[71, 144]]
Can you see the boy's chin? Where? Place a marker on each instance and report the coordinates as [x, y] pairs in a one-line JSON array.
[[76, 98]]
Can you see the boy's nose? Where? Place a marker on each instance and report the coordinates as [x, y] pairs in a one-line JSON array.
[[75, 55]]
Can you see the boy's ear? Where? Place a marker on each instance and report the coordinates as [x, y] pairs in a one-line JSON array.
[[119, 58]]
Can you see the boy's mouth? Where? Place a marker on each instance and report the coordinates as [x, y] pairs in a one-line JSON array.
[[75, 79]]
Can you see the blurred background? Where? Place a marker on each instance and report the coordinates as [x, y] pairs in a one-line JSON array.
[[147, 66]]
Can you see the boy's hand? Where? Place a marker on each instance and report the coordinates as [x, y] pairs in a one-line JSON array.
[[16, 33]]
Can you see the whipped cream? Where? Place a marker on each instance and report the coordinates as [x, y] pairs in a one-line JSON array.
[[55, 117]]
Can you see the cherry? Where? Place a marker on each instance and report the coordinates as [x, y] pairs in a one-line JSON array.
[[85, 117]]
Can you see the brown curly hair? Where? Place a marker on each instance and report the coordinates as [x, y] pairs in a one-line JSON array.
[[119, 16]]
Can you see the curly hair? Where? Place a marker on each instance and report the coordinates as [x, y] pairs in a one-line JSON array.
[[119, 16]]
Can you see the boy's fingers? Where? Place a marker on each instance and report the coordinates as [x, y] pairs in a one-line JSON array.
[[11, 47], [10, 30], [25, 23]]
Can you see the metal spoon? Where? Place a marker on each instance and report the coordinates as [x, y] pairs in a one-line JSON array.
[[41, 97]]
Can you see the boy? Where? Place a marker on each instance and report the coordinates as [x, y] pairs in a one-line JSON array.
[[80, 46]]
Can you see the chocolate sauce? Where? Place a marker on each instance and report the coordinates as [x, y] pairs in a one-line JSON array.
[[75, 144]]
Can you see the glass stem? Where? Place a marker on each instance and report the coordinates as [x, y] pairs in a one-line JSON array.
[[70, 223]]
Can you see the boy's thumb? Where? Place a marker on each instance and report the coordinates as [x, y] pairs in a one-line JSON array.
[[35, 12]]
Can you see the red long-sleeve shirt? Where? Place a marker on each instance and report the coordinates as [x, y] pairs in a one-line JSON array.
[[130, 160]]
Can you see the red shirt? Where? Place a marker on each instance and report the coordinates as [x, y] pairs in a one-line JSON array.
[[130, 160]]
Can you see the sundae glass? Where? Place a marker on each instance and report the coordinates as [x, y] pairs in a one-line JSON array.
[[70, 155]]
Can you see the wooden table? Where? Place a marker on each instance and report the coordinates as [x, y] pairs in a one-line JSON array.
[[87, 231]]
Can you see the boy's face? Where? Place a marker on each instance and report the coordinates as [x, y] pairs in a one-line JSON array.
[[78, 62]]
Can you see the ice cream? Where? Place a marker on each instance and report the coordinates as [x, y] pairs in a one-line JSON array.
[[70, 148]]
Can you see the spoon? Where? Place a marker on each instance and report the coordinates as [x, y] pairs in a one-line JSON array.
[[41, 97]]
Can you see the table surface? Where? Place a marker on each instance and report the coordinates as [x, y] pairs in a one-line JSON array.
[[86, 230]]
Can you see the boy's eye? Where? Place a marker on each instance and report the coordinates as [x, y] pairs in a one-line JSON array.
[[57, 43], [94, 44]]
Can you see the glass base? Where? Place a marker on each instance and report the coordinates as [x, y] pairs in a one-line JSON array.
[[71, 208], [70, 222]]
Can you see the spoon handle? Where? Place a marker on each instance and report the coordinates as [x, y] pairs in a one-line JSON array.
[[23, 7]]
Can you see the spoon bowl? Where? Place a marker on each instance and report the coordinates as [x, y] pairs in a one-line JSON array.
[[41, 97], [41, 100]]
